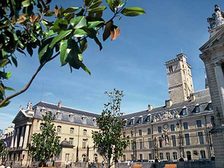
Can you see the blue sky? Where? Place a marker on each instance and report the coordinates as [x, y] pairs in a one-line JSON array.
[[133, 63]]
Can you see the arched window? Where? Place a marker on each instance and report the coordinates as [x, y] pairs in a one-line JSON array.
[[188, 155], [84, 159], [84, 132], [58, 129]]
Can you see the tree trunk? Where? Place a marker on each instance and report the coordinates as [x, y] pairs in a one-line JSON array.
[[108, 163]]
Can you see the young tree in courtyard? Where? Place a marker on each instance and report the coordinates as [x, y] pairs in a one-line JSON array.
[[30, 26], [45, 145], [109, 140]]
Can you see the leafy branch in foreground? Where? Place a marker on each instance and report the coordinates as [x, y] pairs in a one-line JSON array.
[[109, 140], [27, 26]]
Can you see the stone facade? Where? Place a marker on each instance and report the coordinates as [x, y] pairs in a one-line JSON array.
[[213, 58], [74, 128]]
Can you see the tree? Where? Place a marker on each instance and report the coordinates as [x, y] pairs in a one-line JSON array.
[[45, 145], [3, 150], [27, 26], [109, 140]]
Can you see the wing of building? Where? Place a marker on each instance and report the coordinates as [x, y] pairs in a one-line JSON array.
[[179, 129]]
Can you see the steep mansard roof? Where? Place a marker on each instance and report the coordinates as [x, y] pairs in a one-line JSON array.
[[201, 104], [66, 114]]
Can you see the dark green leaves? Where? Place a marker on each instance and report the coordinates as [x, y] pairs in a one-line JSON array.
[[78, 22], [60, 37], [132, 11]]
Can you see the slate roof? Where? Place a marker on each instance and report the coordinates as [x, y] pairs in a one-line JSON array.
[[202, 101], [66, 114]]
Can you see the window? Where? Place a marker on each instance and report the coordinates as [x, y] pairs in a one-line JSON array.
[[148, 118], [140, 157], [202, 153], [41, 126], [149, 131], [150, 156], [198, 123], [184, 111], [71, 141], [58, 115], [201, 138], [132, 134], [173, 137], [170, 69], [85, 132], [84, 143], [67, 157], [139, 120], [197, 109], [172, 127], [140, 132], [159, 129], [175, 155], [71, 117], [187, 139], [59, 129], [161, 156], [71, 130], [124, 157], [150, 143], [84, 119], [167, 155], [160, 142], [140, 144], [185, 125]]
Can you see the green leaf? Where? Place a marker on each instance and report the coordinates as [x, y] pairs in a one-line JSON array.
[[88, 2], [110, 3], [83, 45], [85, 69], [9, 88], [95, 4], [64, 52], [14, 61], [80, 33], [60, 37], [107, 30], [26, 3], [97, 9], [71, 9], [8, 75], [78, 22], [132, 11], [3, 62], [94, 24]]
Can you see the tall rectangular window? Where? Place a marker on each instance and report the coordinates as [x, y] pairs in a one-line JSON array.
[[173, 137], [140, 132], [140, 144], [71, 130], [185, 125], [149, 131], [71, 141], [140, 157], [198, 123], [59, 129], [187, 139], [159, 129], [150, 143], [172, 127], [201, 138], [175, 155], [161, 156]]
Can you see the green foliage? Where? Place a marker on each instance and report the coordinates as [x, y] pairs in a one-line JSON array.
[[45, 145], [3, 149], [30, 25], [109, 140]]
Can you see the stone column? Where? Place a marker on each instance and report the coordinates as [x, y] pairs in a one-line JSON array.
[[13, 138], [21, 137], [16, 138], [26, 136]]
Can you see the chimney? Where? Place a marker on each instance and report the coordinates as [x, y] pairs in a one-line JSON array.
[[59, 104], [168, 103], [150, 107]]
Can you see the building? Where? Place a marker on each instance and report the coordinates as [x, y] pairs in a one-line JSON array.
[[179, 129], [213, 58], [74, 129]]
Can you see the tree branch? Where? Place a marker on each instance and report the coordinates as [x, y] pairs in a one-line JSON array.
[[29, 83]]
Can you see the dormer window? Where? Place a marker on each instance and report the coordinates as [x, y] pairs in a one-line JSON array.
[[196, 109], [58, 115], [209, 107], [84, 119], [184, 111], [148, 118], [139, 120], [131, 122], [94, 120], [71, 117]]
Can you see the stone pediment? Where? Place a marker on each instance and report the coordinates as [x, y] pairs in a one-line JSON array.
[[214, 41], [21, 116]]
